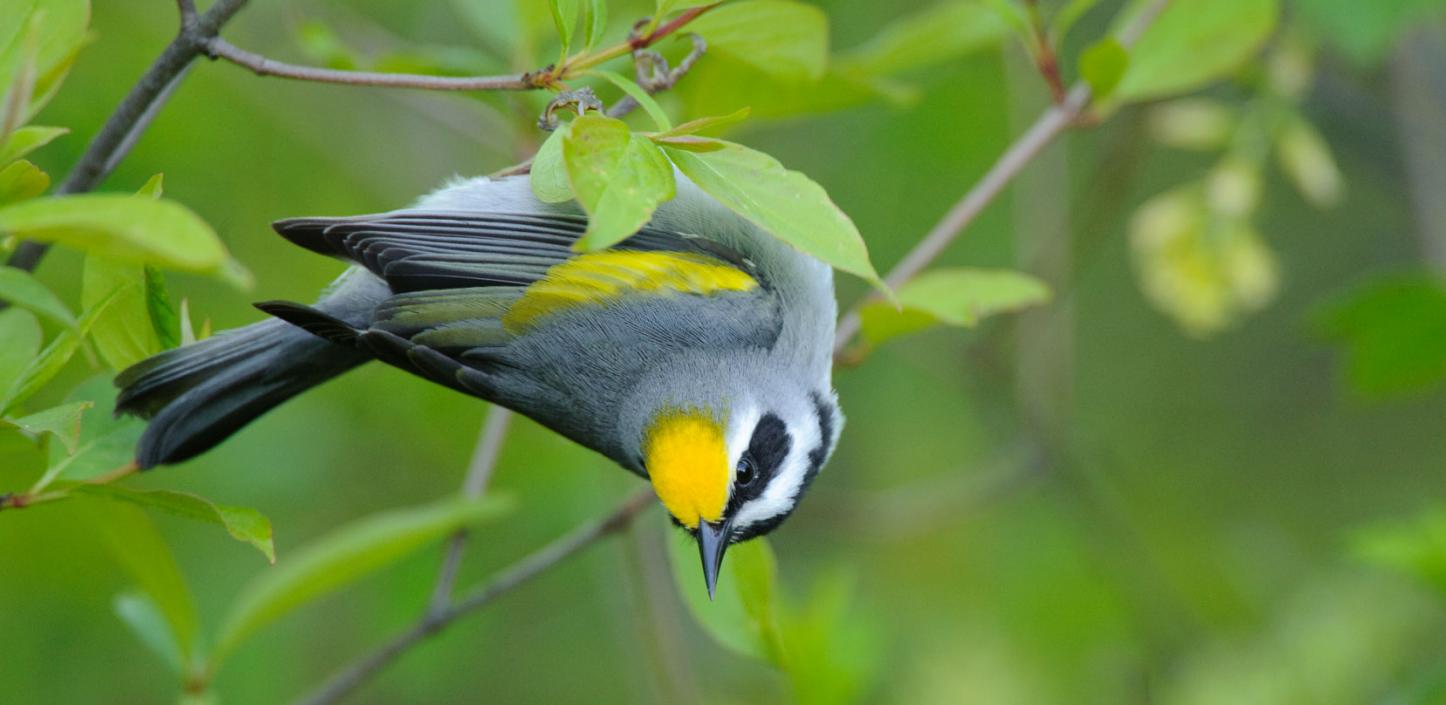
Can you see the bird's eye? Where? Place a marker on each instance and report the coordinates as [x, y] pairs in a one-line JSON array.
[[746, 472]]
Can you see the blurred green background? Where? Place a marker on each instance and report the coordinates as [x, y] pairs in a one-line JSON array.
[[1085, 503]]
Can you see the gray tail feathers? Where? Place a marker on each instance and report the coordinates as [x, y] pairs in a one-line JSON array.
[[198, 395]]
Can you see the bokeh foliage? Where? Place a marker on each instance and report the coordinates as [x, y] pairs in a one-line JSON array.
[[1216, 517]]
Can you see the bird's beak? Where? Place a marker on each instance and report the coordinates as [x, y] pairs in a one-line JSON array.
[[712, 542]]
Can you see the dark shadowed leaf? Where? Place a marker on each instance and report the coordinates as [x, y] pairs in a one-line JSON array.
[[619, 178], [342, 557], [1393, 331], [786, 203], [18, 287]]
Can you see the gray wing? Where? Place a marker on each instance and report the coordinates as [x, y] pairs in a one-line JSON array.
[[456, 275]]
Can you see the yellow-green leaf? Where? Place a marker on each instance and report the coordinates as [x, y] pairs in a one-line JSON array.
[[62, 421], [342, 557], [21, 181], [636, 92], [26, 140], [785, 203], [18, 287], [549, 174], [941, 32], [958, 296], [126, 228], [50, 31], [1103, 64], [50, 360], [242, 523], [22, 338], [692, 127], [124, 334], [618, 177], [780, 37], [1193, 43]]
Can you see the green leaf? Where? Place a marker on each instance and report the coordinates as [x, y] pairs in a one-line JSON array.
[[637, 93], [1393, 332], [153, 186], [137, 545], [953, 296], [940, 33], [342, 557], [59, 31], [62, 421], [1103, 64], [564, 18], [124, 334], [51, 360], [22, 338], [689, 143], [549, 174], [1366, 31], [126, 228], [1193, 43], [164, 318], [1415, 547], [662, 7], [785, 203], [1306, 158], [692, 127], [18, 287], [594, 20], [619, 178], [26, 140], [106, 441], [242, 523], [21, 181], [744, 614], [779, 37], [140, 613], [322, 46]]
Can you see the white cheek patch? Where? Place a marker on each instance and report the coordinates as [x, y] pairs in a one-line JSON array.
[[781, 494], [742, 420]]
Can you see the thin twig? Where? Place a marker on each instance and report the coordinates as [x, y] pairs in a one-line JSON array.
[[353, 676], [218, 48], [1050, 125], [484, 461]]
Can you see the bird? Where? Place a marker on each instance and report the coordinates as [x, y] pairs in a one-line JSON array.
[[696, 353]]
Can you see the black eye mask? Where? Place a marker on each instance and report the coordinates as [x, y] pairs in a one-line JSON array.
[[766, 451]]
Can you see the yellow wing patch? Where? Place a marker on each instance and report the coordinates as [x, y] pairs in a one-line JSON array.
[[601, 277]]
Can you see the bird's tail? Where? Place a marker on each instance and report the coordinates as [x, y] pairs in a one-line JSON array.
[[198, 395]]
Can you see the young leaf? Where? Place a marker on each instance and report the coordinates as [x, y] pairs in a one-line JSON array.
[[124, 335], [142, 230], [342, 557], [50, 360], [106, 441], [743, 615], [637, 93], [153, 187], [594, 20], [780, 37], [18, 287], [62, 421], [22, 338], [692, 127], [140, 613], [785, 203], [22, 181], [957, 296], [549, 174], [242, 523], [54, 31], [619, 178], [1193, 43], [164, 318], [1103, 64], [26, 140], [689, 143], [564, 18]]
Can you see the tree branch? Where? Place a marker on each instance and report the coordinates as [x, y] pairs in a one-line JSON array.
[[351, 677], [1049, 126], [484, 461], [135, 112], [218, 48]]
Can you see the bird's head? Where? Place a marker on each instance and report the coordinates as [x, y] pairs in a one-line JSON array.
[[735, 470]]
